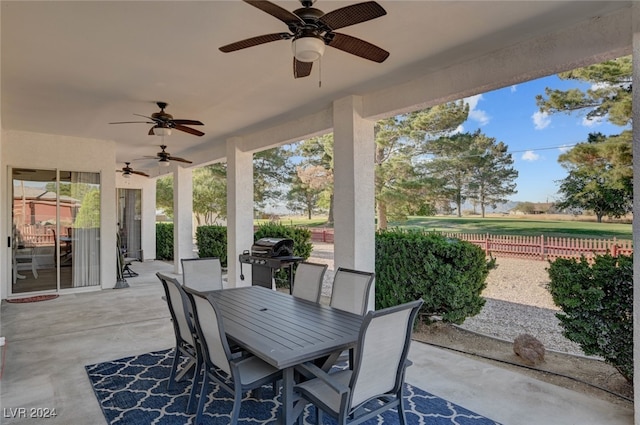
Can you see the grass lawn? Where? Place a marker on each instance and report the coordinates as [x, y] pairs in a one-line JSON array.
[[528, 225]]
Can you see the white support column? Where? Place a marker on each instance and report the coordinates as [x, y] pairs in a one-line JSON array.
[[239, 210], [636, 208], [354, 191], [148, 231], [182, 216]]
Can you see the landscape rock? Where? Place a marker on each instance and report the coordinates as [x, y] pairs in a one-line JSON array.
[[529, 349]]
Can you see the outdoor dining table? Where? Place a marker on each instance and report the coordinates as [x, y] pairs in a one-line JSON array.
[[285, 331]]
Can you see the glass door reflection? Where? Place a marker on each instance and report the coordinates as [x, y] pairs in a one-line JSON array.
[[56, 230], [34, 219]]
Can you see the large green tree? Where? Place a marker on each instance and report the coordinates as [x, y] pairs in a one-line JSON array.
[[307, 188], [448, 171], [318, 151], [470, 166], [272, 172], [599, 177], [492, 177], [401, 144], [210, 193], [599, 171], [608, 97]]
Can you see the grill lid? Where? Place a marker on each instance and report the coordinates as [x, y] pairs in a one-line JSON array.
[[272, 247]]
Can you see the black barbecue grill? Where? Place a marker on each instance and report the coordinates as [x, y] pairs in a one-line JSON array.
[[267, 256]]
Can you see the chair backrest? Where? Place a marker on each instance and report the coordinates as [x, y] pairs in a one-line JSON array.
[[383, 346], [178, 308], [202, 274], [308, 280], [351, 289], [208, 323]]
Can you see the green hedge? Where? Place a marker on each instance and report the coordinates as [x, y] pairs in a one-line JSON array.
[[164, 241], [212, 242], [597, 306], [448, 274]]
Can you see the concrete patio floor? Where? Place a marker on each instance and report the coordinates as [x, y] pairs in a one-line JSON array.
[[48, 344]]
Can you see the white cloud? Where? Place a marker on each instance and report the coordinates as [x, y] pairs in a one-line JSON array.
[[565, 148], [478, 115], [530, 156], [540, 120], [593, 122], [514, 88]]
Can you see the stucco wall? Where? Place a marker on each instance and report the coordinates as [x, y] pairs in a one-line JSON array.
[[45, 151]]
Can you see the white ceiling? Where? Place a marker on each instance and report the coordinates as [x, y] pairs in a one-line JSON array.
[[72, 67]]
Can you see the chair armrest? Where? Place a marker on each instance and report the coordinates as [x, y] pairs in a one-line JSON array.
[[309, 369]]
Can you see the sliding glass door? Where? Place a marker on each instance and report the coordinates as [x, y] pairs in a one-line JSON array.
[[129, 205], [56, 230]]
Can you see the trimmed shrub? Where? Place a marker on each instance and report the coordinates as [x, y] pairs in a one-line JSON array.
[[302, 245], [164, 241], [212, 242], [449, 274], [597, 306]]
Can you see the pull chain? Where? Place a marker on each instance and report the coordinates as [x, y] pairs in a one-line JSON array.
[[320, 72]]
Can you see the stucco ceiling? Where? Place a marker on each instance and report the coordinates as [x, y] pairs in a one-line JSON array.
[[70, 68]]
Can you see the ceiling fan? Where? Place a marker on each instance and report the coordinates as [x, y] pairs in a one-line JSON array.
[[164, 122], [312, 29], [127, 171], [165, 157]]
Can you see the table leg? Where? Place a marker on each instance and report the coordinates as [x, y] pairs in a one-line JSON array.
[[287, 396]]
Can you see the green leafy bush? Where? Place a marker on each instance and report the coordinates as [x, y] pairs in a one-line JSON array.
[[302, 245], [212, 242], [164, 241], [449, 274], [597, 306]]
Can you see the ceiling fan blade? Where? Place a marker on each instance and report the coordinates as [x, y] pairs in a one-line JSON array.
[[132, 122], [301, 69], [187, 122], [175, 158], [255, 41], [189, 130], [153, 120], [358, 47], [151, 133], [140, 173], [353, 14], [276, 11]]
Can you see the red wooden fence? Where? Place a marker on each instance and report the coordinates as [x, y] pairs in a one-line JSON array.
[[531, 247]]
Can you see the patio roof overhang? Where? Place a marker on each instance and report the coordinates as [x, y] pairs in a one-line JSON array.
[[70, 68]]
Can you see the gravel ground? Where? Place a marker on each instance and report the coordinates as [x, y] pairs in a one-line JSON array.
[[517, 301]]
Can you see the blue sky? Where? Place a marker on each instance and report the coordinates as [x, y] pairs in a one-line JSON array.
[[510, 115]]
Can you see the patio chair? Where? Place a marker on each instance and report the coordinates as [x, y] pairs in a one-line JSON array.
[[375, 384], [351, 290], [235, 373], [202, 274], [308, 280], [186, 342]]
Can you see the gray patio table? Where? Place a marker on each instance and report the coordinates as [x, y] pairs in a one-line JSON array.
[[285, 331]]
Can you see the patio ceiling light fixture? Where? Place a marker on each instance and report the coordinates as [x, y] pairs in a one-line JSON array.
[[308, 49], [161, 131]]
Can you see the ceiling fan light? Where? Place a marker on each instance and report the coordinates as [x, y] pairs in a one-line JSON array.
[[161, 131], [126, 175], [308, 49], [164, 162]]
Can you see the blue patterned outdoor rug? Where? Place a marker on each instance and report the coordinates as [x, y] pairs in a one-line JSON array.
[[133, 391]]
